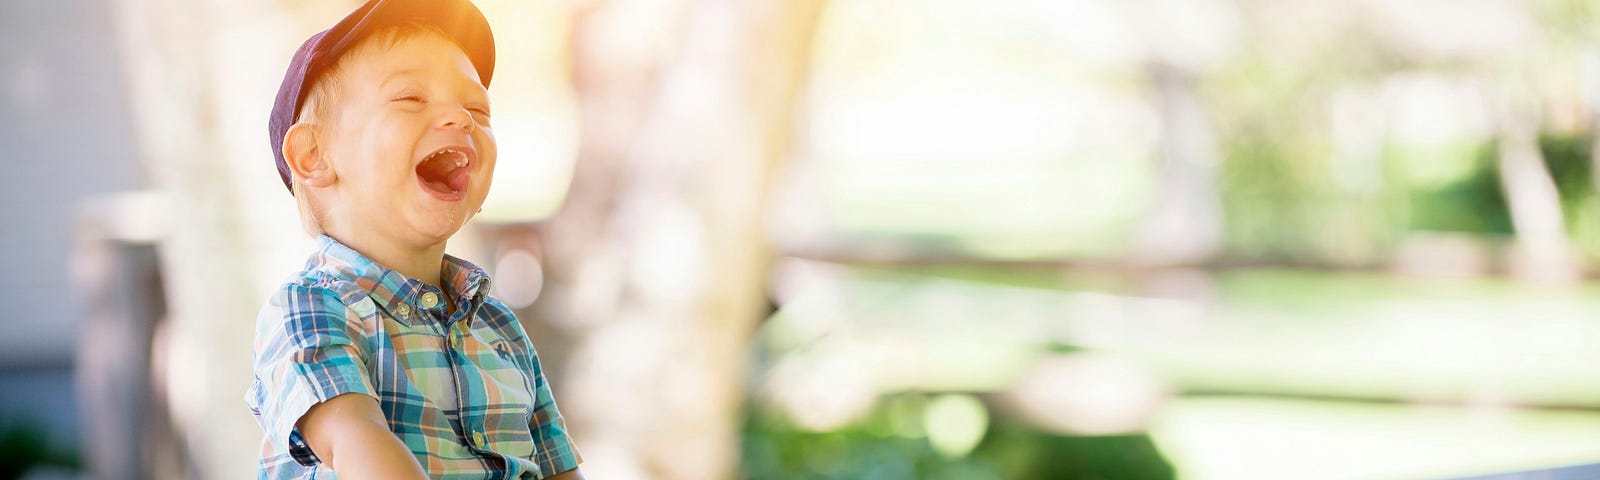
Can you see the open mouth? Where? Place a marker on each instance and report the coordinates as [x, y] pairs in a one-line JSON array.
[[445, 172]]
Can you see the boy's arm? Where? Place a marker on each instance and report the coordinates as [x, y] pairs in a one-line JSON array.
[[350, 434]]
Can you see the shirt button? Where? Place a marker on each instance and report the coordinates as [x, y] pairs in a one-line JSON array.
[[404, 310], [477, 438], [429, 300]]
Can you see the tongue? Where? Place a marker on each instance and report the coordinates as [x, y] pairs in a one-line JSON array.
[[439, 173], [457, 179], [437, 186]]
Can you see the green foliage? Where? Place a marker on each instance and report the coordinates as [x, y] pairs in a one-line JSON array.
[[881, 447], [1470, 203], [1271, 194], [1567, 157], [24, 445], [1279, 209], [1475, 201]]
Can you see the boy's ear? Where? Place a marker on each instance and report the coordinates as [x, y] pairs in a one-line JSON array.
[[304, 156]]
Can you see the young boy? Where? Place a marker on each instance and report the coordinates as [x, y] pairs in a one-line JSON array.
[[385, 358]]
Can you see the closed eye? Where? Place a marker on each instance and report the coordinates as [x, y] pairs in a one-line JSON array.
[[409, 98]]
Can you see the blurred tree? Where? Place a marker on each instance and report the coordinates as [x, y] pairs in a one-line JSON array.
[[1543, 249], [199, 90], [657, 258], [1182, 41], [1185, 226], [177, 88]]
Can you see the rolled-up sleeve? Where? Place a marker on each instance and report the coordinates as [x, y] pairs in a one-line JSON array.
[[310, 347], [554, 451]]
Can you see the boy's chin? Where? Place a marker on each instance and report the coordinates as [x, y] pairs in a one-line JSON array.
[[438, 219], [441, 223], [444, 228]]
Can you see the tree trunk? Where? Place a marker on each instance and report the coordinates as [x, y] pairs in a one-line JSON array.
[[1185, 225], [656, 262], [1542, 249], [197, 81]]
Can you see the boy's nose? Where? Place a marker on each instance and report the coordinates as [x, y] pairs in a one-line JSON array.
[[457, 118]]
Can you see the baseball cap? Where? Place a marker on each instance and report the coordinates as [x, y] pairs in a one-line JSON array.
[[458, 19]]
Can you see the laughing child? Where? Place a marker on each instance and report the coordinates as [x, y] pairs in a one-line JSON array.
[[384, 357]]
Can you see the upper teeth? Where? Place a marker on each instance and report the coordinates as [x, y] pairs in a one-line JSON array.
[[461, 159]]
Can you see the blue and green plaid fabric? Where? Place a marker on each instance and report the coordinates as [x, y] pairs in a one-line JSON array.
[[463, 391]]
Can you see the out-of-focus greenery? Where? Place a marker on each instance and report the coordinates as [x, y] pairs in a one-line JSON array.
[[1568, 158], [1470, 203], [1337, 136], [1349, 141], [1358, 346], [890, 445], [1275, 212], [25, 445]]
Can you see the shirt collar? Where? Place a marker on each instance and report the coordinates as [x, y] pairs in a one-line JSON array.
[[391, 289]]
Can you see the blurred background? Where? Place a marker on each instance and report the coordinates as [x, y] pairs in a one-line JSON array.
[[885, 239]]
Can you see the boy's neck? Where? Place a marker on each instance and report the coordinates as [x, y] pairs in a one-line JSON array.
[[421, 263]]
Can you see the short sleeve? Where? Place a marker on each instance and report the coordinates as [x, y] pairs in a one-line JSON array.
[[554, 451], [309, 348]]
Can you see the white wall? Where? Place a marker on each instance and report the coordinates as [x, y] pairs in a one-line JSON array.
[[65, 135]]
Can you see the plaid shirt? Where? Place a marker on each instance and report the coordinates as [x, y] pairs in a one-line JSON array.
[[464, 392]]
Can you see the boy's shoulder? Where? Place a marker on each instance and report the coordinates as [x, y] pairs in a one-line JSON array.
[[316, 289], [332, 270]]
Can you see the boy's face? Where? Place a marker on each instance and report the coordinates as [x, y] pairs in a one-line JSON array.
[[409, 141]]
